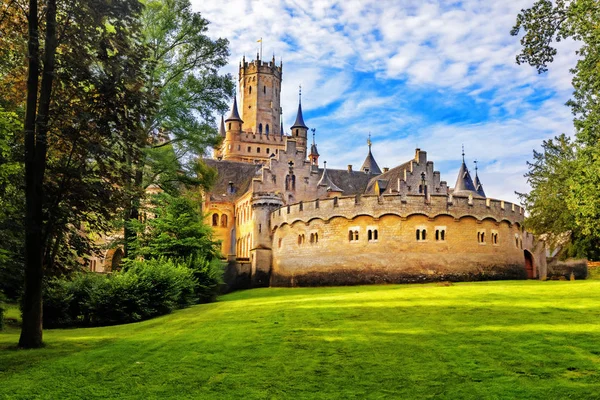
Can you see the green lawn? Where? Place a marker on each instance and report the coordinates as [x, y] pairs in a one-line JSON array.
[[525, 340]]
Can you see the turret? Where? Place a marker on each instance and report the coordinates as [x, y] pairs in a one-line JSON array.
[[370, 165], [477, 183], [299, 129], [464, 182], [222, 127], [313, 157], [233, 121]]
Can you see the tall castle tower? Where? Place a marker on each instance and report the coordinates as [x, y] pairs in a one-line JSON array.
[[258, 135], [260, 87]]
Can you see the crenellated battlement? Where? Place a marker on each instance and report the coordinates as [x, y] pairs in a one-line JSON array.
[[401, 205], [255, 66]]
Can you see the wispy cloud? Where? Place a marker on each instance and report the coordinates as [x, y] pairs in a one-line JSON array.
[[433, 74]]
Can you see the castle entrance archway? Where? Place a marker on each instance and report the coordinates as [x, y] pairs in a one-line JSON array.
[[529, 265]]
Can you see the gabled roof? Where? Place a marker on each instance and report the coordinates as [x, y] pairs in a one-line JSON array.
[[234, 116], [240, 174], [392, 176]]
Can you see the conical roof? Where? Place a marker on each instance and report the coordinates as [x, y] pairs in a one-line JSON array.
[[222, 127], [299, 123], [234, 116], [479, 186], [370, 165], [464, 181], [326, 181], [313, 150]]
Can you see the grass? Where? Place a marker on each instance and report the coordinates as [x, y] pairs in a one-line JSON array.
[[489, 340]]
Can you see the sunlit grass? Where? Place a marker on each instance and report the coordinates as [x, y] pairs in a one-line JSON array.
[[525, 339]]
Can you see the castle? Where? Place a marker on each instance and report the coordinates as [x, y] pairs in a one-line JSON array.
[[285, 220]]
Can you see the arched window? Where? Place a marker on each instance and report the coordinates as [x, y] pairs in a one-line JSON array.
[[224, 221], [316, 238], [215, 219], [423, 234], [299, 240], [258, 149], [355, 235], [269, 152], [260, 128], [437, 234], [267, 129], [350, 236], [296, 132], [418, 234], [264, 89], [250, 89], [370, 235], [375, 235], [230, 126], [444, 235]]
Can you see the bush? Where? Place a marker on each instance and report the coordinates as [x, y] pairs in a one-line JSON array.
[[144, 290], [1, 311], [208, 276]]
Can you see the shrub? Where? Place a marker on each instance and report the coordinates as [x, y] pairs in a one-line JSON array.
[[2, 299], [208, 277], [144, 290]]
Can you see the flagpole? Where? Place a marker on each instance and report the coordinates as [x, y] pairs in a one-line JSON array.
[[261, 48]]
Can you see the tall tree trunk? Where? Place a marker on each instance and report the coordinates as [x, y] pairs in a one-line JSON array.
[[35, 165]]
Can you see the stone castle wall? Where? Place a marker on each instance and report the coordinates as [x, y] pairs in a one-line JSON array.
[[315, 243]]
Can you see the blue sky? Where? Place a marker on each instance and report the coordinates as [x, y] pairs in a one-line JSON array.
[[412, 73]]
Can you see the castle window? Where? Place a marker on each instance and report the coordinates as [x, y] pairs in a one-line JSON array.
[[264, 89], [495, 238], [249, 149], [268, 152], [372, 234], [230, 126], [260, 128], [481, 237], [440, 233], [421, 234], [215, 219], [296, 132], [250, 89], [258, 149], [350, 236], [267, 129], [224, 221], [316, 238], [353, 234]]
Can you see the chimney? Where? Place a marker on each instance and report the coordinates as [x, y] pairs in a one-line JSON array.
[[385, 169], [349, 167]]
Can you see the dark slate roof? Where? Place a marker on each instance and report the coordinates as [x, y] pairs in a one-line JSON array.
[[326, 181], [234, 116], [353, 182], [478, 186], [313, 150], [299, 123], [391, 177], [464, 184], [239, 173], [370, 164], [222, 127]]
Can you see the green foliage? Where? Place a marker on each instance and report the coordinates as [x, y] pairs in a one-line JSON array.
[[486, 340], [208, 277], [173, 228], [2, 310], [145, 290], [545, 22], [11, 205]]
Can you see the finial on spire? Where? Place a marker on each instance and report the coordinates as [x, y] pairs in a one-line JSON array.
[[475, 162], [369, 141], [324, 164], [300, 94], [313, 132], [463, 152]]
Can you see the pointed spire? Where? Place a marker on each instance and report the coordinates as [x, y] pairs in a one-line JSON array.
[[464, 183], [299, 123], [313, 148], [234, 115], [477, 183], [281, 125], [326, 181], [370, 165], [222, 127]]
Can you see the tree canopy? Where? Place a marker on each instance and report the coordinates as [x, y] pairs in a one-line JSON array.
[[566, 176]]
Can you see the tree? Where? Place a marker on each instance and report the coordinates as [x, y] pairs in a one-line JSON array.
[[545, 22], [81, 123], [184, 75]]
